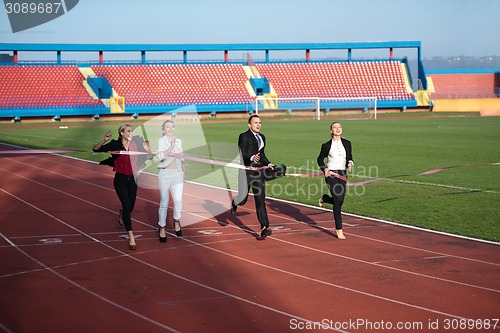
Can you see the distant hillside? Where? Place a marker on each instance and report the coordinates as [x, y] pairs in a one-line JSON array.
[[461, 62]]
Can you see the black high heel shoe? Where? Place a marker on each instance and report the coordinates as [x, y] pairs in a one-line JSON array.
[[177, 228], [132, 247], [266, 231], [164, 238], [131, 238]]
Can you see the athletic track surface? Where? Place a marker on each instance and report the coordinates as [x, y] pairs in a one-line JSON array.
[[65, 265]]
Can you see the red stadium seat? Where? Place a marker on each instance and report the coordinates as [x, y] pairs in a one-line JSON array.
[[42, 86]]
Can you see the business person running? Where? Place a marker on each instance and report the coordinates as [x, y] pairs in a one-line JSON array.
[[338, 152], [252, 145]]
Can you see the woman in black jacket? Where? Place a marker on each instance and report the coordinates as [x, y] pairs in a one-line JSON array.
[[126, 164], [339, 153]]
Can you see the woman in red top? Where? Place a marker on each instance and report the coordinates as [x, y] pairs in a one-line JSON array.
[[126, 167]]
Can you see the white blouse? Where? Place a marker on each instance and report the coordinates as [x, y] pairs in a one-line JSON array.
[[165, 160], [337, 156]]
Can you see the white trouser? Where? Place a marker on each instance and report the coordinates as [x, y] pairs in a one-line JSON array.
[[170, 179]]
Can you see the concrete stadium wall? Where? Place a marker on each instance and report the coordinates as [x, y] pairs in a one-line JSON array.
[[466, 104]]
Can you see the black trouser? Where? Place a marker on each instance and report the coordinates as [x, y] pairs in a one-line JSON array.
[[256, 181], [126, 189], [337, 189]]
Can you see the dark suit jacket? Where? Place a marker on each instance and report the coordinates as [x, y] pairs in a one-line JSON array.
[[249, 146], [325, 150]]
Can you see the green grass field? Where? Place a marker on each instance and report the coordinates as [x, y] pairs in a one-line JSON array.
[[463, 200]]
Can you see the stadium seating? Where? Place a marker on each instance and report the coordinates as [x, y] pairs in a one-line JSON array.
[[382, 79], [464, 85], [177, 84], [43, 86], [211, 84]]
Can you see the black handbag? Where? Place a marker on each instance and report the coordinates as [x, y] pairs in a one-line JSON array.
[[278, 172]]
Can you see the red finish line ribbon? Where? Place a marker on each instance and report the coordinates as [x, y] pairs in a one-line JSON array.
[[183, 157], [430, 172], [229, 164], [38, 151], [214, 162], [332, 174]]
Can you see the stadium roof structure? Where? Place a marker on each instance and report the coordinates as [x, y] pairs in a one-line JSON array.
[[206, 47], [185, 48]]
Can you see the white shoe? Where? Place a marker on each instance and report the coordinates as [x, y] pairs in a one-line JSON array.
[[320, 202]]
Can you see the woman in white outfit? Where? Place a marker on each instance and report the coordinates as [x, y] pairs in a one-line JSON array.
[[170, 178]]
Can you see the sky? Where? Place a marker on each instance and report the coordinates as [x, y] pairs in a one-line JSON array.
[[444, 27]]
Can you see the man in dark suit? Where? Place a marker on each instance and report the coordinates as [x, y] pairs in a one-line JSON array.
[[252, 144]]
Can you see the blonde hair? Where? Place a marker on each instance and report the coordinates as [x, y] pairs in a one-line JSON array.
[[121, 129]]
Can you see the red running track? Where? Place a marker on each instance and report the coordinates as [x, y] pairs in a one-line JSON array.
[[65, 264]]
